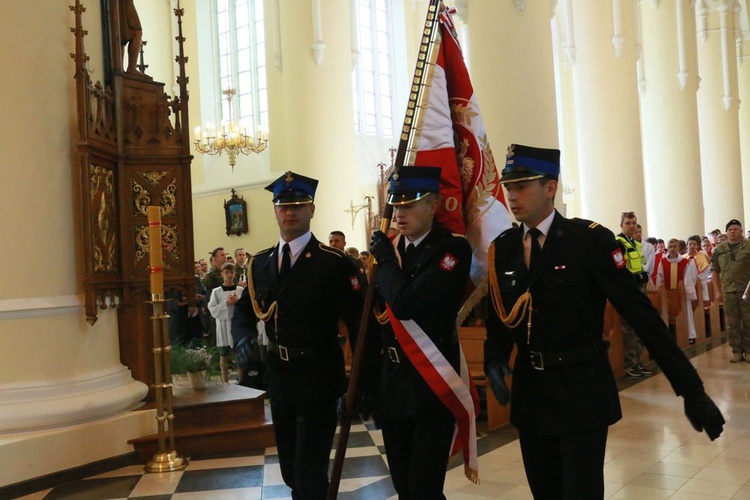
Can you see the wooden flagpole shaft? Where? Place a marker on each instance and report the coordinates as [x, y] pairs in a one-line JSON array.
[[426, 57]]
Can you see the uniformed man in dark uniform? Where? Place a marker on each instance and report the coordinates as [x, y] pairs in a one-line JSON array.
[[422, 276], [549, 282], [300, 288]]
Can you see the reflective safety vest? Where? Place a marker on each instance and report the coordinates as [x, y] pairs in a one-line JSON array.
[[633, 255]]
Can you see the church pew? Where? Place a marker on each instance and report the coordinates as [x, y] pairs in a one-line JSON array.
[[671, 305], [699, 316], [472, 343], [714, 314], [613, 334]]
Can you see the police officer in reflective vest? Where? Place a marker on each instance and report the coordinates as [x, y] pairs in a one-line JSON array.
[[299, 289], [549, 282], [635, 262]]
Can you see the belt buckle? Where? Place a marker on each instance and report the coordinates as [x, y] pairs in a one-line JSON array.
[[537, 361], [283, 353], [393, 355]]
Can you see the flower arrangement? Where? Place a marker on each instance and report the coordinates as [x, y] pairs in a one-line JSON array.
[[190, 359]]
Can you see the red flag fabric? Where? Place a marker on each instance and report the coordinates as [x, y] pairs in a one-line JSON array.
[[453, 137]]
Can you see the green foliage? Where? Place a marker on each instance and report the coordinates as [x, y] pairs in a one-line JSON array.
[[193, 358]]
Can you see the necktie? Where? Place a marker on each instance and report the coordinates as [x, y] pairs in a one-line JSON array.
[[286, 262], [409, 254], [535, 246]]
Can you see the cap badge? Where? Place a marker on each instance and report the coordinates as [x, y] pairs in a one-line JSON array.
[[288, 179], [510, 152]]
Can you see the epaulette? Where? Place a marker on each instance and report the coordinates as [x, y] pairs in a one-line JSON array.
[[330, 249], [585, 222], [508, 231], [264, 251]]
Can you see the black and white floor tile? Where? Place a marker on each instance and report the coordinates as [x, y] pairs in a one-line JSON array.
[[652, 453]]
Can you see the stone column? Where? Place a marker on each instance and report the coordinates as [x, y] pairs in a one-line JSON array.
[[718, 105], [669, 117], [743, 57], [563, 39], [312, 105], [606, 106], [517, 94]]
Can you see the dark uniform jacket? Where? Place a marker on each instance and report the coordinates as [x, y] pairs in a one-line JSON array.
[[578, 269], [429, 290], [321, 288]]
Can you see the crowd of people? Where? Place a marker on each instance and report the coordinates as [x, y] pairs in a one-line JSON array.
[[719, 261], [279, 315]]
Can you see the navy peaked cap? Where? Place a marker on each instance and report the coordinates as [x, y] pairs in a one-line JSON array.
[[410, 184], [523, 163], [293, 189]]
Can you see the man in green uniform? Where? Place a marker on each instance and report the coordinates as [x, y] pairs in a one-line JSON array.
[[730, 274]]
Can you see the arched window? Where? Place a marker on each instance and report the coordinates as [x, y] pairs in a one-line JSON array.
[[242, 59], [372, 78]]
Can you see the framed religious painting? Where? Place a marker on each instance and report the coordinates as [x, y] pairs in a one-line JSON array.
[[235, 212]]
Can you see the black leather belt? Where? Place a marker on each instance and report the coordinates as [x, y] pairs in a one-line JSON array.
[[544, 360], [286, 352]]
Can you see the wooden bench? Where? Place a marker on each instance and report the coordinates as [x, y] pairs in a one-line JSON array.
[[472, 343], [672, 305], [715, 312], [613, 334]]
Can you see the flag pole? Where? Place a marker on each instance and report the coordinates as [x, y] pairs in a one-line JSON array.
[[418, 94]]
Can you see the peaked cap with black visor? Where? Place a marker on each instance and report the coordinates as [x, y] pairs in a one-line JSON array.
[[525, 163], [293, 189], [411, 184]]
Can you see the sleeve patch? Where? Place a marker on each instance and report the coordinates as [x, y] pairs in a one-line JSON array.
[[618, 258], [448, 262], [355, 283]]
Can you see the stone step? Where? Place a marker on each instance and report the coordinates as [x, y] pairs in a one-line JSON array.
[[219, 419]]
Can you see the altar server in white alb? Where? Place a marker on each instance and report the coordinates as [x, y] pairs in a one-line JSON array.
[[221, 306], [677, 270]]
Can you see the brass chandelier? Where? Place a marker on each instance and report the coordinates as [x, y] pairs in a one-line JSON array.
[[230, 138]]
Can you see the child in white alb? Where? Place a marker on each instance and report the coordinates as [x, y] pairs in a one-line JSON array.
[[221, 306]]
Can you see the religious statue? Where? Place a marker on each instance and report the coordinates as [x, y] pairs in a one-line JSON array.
[[131, 33]]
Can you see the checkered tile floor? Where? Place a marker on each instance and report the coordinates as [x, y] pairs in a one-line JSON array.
[[652, 453], [247, 476], [251, 476]]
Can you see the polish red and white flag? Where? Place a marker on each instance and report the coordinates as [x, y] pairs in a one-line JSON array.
[[451, 135]]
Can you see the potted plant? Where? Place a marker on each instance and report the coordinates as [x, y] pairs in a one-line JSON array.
[[193, 360], [197, 359]]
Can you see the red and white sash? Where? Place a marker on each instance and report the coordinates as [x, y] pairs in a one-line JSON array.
[[457, 392]]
